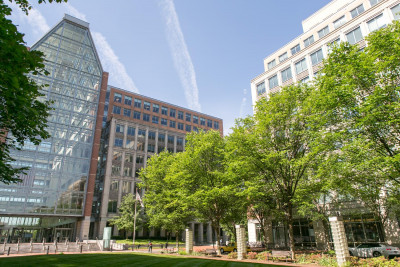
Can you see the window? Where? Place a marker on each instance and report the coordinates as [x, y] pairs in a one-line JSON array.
[[172, 124], [179, 141], [136, 115], [151, 148], [154, 120], [115, 170], [309, 41], [188, 128], [164, 111], [117, 156], [138, 103], [323, 32], [146, 117], [139, 159], [116, 110], [195, 119], [131, 131], [127, 171], [188, 117], [172, 112], [161, 137], [151, 135], [301, 66], [195, 129], [333, 44], [374, 2], [128, 100], [286, 74], [295, 49], [127, 112], [156, 108], [117, 97], [261, 88], [216, 125], [171, 139], [164, 122], [112, 206], [357, 11], [119, 128], [339, 22], [146, 105], [396, 11], [273, 82], [202, 121], [271, 64], [180, 115], [129, 143], [118, 142], [376, 23], [209, 123], [316, 57], [305, 80], [180, 126], [140, 146], [141, 133], [283, 57], [354, 36], [126, 187]]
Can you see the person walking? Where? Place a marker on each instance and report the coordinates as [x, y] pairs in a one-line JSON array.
[[150, 247]]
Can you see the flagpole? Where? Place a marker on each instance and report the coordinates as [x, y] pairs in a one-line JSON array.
[[134, 223]]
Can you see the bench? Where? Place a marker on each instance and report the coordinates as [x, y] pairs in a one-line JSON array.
[[211, 252], [280, 254]]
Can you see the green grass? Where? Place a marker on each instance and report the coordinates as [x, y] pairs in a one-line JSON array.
[[116, 259], [146, 241]]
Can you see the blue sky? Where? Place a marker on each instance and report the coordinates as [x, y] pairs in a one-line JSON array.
[[196, 54]]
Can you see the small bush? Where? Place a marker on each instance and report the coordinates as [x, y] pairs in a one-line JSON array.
[[196, 253], [252, 255], [374, 262], [263, 256], [182, 252], [232, 255]]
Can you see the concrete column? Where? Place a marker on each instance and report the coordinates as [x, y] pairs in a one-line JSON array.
[[209, 233], [102, 225], [200, 233], [340, 240], [83, 228], [251, 228], [189, 240], [241, 241]]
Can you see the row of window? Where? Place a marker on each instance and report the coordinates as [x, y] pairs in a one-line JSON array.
[[336, 24], [157, 120], [352, 37], [120, 129], [156, 108]]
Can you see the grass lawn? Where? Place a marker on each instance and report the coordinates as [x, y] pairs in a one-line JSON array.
[[146, 241], [116, 259]]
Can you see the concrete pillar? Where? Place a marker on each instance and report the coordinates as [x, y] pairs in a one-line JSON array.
[[392, 231], [241, 241], [252, 232], [209, 233], [340, 240], [102, 225], [83, 228], [200, 233], [189, 240]]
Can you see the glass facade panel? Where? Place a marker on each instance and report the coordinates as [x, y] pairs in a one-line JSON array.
[[60, 165]]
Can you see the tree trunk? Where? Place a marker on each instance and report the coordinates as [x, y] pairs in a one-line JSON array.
[[290, 226], [326, 233], [177, 241], [217, 235]]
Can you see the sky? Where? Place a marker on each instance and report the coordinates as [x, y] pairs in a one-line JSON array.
[[198, 54]]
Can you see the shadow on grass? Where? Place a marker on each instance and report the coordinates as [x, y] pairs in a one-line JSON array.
[[117, 259]]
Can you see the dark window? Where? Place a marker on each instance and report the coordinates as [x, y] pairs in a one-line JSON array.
[[180, 115], [141, 133], [127, 112], [156, 108], [188, 117], [131, 131], [209, 123], [119, 128], [179, 141], [172, 112], [171, 139], [203, 121], [164, 121], [146, 117], [172, 124], [117, 97], [146, 105], [155, 119], [164, 110], [161, 137], [116, 110], [151, 148], [188, 128], [128, 100], [216, 125], [138, 103], [152, 135], [136, 115], [118, 142], [180, 126], [195, 119]]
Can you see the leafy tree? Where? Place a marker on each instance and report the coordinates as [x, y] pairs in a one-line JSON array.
[[280, 149], [166, 205], [126, 214], [23, 114]]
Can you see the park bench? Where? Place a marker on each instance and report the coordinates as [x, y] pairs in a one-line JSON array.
[[211, 252], [280, 254]]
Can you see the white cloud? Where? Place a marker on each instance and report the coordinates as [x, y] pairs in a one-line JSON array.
[[243, 104], [35, 20], [180, 54], [74, 12]]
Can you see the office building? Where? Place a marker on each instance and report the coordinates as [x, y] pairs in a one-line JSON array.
[[299, 61]]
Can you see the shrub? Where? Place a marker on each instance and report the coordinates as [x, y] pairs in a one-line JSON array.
[[196, 253], [263, 256], [252, 255], [374, 262], [182, 252], [232, 255]]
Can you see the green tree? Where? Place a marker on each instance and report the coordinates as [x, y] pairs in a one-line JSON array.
[[126, 214], [166, 204], [23, 114], [278, 148]]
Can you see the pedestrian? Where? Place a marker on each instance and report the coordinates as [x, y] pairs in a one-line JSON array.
[[150, 247], [166, 245]]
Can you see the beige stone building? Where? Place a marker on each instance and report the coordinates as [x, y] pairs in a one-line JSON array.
[[299, 61]]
